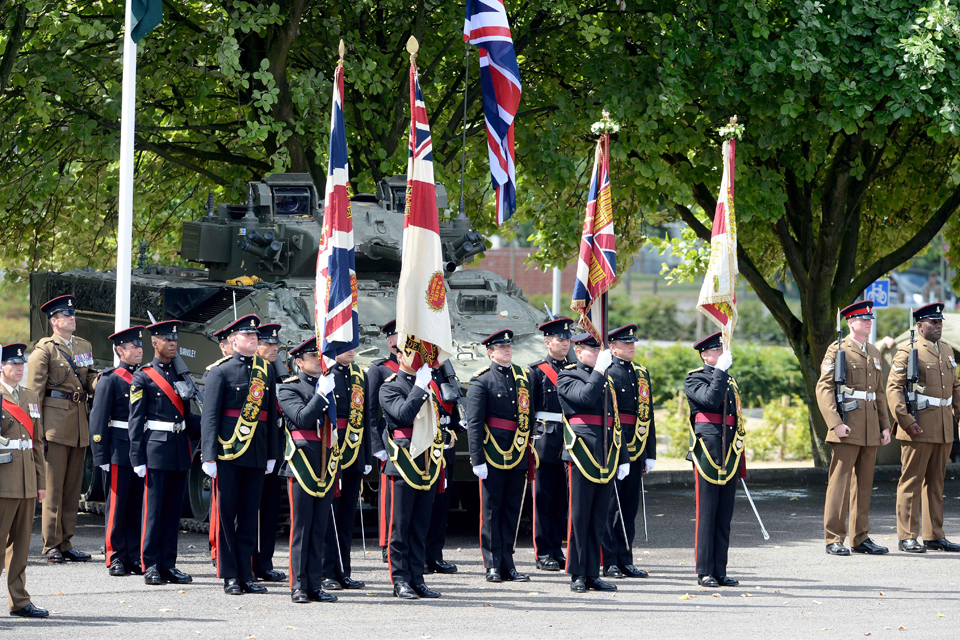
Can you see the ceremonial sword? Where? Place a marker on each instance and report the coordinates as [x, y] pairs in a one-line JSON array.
[[763, 529], [643, 497]]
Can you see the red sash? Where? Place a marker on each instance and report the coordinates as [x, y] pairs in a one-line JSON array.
[[166, 388], [393, 366], [22, 417], [549, 372], [124, 374], [447, 406]]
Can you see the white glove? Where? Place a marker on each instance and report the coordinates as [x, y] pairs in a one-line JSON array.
[[604, 358], [367, 469], [381, 455], [648, 465], [105, 467], [209, 468], [424, 375], [623, 471], [481, 471], [325, 384], [270, 465], [725, 360], [141, 470]]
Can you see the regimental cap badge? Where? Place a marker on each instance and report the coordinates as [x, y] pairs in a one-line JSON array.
[[69, 302], [19, 352], [274, 333], [253, 322]]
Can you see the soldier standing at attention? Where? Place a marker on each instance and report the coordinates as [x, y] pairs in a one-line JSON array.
[[239, 446], [499, 430], [268, 348], [450, 425], [855, 436], [61, 372], [413, 479], [160, 451], [311, 468], [353, 436], [927, 435], [716, 435], [21, 476], [635, 404], [110, 446], [550, 486], [595, 454], [223, 340], [379, 371]]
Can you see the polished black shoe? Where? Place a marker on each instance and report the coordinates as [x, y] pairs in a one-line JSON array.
[[319, 595], [869, 547], [30, 611], [562, 561], [272, 576], [75, 556], [404, 591], [152, 576], [175, 576], [117, 568], [252, 587], [515, 576], [631, 571], [493, 575], [349, 583], [596, 584], [578, 584], [727, 581], [384, 555], [231, 587], [331, 585], [55, 557], [299, 596], [942, 545], [911, 545], [707, 581], [837, 549], [613, 572], [424, 591], [548, 564], [441, 566], [136, 568]]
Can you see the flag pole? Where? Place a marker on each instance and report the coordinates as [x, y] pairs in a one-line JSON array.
[[125, 205], [605, 141]]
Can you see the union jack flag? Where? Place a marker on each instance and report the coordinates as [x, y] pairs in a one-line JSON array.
[[486, 26], [337, 322], [597, 264]]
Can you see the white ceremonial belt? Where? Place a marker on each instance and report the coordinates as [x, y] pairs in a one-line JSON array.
[[17, 445], [861, 395], [117, 424], [157, 425], [547, 416], [935, 402]]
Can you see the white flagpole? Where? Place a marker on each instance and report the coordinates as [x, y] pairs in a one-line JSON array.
[[125, 207]]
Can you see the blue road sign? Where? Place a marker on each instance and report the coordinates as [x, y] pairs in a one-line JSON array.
[[879, 292]]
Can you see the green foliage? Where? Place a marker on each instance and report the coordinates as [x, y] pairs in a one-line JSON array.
[[673, 427], [756, 324], [14, 314], [766, 441]]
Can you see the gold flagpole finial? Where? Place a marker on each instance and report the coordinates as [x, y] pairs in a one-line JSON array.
[[412, 48], [342, 49], [733, 120], [606, 116]]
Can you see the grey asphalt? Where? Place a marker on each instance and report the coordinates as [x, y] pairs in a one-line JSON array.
[[789, 588]]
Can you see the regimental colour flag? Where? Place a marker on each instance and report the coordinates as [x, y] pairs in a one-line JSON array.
[[718, 297], [337, 322], [597, 263], [486, 26]]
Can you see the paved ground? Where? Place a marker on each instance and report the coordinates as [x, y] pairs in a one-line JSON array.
[[789, 587]]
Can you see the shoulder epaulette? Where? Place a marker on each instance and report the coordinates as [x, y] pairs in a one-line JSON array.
[[534, 364], [149, 365], [46, 340], [106, 371], [481, 371], [391, 378], [219, 362], [376, 363], [698, 369], [570, 366], [287, 380]]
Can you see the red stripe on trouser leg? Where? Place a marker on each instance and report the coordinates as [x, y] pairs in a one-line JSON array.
[[216, 542], [290, 550], [384, 534], [696, 532], [533, 493], [143, 524], [482, 561], [112, 512], [569, 514], [214, 519], [393, 502]]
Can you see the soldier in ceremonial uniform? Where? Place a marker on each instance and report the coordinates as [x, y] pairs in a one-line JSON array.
[[21, 476], [61, 373], [353, 436], [379, 371], [854, 437], [717, 431], [160, 423], [550, 486], [268, 349], [450, 424], [635, 404], [311, 468], [595, 454], [925, 438], [239, 446], [223, 340], [499, 431], [413, 478], [110, 446]]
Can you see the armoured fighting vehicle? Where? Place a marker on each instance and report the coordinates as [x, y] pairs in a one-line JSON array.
[[260, 257]]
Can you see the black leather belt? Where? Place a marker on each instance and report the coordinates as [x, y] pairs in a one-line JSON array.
[[75, 396]]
